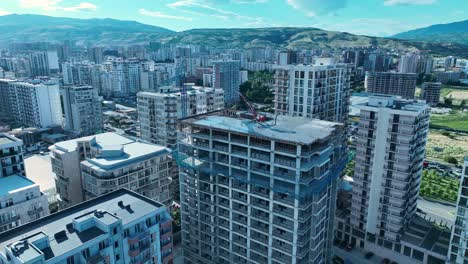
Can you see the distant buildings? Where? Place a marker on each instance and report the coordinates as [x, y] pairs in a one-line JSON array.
[[261, 193], [118, 227], [158, 112], [458, 242], [448, 76], [391, 83], [91, 166], [430, 92], [226, 77], [82, 109], [313, 91], [409, 63]]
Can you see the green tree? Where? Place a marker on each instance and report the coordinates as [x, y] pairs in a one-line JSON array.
[[451, 160]]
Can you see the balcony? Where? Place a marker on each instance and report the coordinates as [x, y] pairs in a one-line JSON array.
[[35, 211], [133, 253]]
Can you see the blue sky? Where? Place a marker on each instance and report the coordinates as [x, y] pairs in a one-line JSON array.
[[368, 17]]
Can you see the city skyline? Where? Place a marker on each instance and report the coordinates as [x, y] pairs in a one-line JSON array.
[[388, 17]]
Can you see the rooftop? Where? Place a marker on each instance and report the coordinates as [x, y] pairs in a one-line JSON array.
[[39, 169], [393, 102], [291, 129], [122, 205], [104, 139], [14, 183], [114, 157], [7, 139]]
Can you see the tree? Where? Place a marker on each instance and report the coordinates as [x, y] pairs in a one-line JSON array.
[[451, 160]]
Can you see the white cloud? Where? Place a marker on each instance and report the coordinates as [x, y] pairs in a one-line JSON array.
[[162, 15], [204, 8], [249, 1], [408, 2], [53, 5], [317, 7], [80, 7], [4, 12]]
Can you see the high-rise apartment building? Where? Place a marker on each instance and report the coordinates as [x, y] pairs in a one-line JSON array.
[[119, 227], [82, 109], [159, 111], [35, 103], [313, 91], [226, 77], [459, 241], [91, 166], [391, 83], [390, 148], [258, 192], [430, 92]]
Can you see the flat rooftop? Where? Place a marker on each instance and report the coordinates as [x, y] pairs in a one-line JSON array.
[[290, 129], [129, 153], [64, 238], [8, 139], [104, 139], [12, 183], [39, 169]]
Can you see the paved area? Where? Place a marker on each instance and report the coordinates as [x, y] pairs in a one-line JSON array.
[[438, 211], [355, 256]]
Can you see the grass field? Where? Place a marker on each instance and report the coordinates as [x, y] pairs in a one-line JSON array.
[[455, 120], [440, 146]]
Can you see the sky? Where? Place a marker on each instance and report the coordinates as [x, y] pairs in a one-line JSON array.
[[365, 17]]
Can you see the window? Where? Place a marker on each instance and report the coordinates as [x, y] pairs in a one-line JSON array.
[[116, 244], [102, 245], [114, 231], [126, 233], [117, 257], [71, 260]]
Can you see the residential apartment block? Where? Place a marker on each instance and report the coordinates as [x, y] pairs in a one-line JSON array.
[[119, 227], [459, 241], [430, 92], [91, 166], [258, 192], [33, 103], [158, 112], [391, 83], [390, 150], [21, 201], [11, 155], [82, 109], [313, 91]]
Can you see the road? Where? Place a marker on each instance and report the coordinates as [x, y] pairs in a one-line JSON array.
[[355, 256], [438, 211]]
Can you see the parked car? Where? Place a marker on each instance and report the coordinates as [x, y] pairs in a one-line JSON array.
[[369, 255]]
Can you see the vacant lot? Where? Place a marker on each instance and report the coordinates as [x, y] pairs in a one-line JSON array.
[[456, 93], [440, 146]]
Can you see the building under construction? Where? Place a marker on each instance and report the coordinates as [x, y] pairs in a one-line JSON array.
[[258, 191]]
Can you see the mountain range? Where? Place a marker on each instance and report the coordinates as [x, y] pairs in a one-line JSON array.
[[456, 32], [29, 28]]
